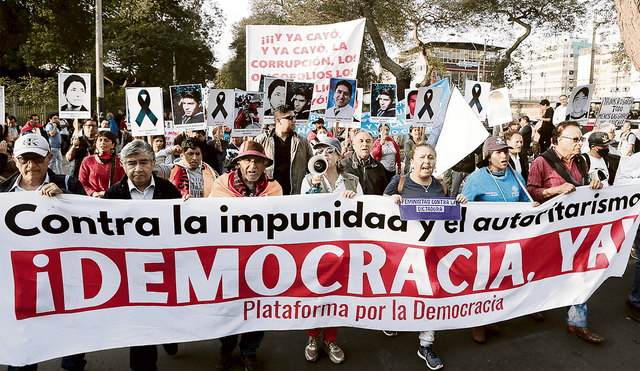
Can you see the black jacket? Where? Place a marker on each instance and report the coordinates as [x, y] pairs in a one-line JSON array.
[[66, 183], [372, 177], [524, 163], [612, 162], [163, 190]]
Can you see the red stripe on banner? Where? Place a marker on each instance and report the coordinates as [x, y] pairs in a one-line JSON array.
[[84, 279]]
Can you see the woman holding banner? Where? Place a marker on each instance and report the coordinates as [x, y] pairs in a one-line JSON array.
[[420, 183], [333, 180], [495, 181]]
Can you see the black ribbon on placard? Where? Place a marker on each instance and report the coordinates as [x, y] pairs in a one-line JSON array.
[[428, 97], [220, 106], [475, 97], [144, 108]]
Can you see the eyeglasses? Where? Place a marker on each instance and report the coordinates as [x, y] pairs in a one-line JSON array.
[[330, 150], [36, 159], [575, 140], [290, 117]]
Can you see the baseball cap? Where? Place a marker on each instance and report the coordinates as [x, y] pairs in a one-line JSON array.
[[492, 144], [31, 143], [599, 138], [329, 142]]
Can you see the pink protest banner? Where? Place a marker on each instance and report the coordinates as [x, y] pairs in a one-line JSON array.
[[305, 53], [83, 274]]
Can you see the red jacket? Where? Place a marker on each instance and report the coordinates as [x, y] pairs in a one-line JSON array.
[[376, 151]]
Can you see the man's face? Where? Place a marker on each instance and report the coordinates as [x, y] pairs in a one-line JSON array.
[[579, 101], [90, 128], [626, 127], [196, 134], [299, 101], [523, 122], [362, 145], [251, 168], [384, 101], [158, 144], [105, 124], [75, 94], [499, 161], [12, 123], [567, 143], [190, 106], [35, 120], [412, 103], [563, 100], [139, 169], [341, 96], [55, 119], [193, 158], [516, 142], [286, 123], [33, 167], [237, 141]]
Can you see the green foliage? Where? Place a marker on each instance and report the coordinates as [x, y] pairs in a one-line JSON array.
[[141, 40], [31, 90]]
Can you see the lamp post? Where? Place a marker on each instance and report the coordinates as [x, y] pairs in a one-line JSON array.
[[476, 49]]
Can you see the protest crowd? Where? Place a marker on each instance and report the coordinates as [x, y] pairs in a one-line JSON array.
[[100, 158], [527, 159]]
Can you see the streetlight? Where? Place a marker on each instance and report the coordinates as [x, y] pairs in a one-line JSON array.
[[474, 47]]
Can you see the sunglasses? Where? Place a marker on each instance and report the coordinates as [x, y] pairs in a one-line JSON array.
[[36, 159], [575, 140], [290, 117], [330, 150]]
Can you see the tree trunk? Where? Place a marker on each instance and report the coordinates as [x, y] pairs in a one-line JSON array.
[[629, 24], [402, 74]]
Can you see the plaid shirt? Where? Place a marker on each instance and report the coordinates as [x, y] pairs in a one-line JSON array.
[[542, 176]]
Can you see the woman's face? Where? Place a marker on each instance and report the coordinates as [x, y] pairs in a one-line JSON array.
[[158, 144], [104, 145], [384, 131], [332, 159], [423, 162]]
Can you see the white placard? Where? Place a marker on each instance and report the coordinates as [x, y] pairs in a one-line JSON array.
[[144, 111], [74, 95]]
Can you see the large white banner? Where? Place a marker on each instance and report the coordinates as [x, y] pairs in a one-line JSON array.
[[305, 53], [81, 274]]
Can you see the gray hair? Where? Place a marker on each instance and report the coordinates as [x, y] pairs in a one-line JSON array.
[[363, 131], [109, 116], [137, 147], [426, 145]]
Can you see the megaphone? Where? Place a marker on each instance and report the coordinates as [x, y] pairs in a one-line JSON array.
[[317, 165]]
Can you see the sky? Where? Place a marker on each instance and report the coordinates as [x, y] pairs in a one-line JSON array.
[[234, 10]]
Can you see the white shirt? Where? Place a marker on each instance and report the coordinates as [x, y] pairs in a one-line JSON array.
[[346, 111], [17, 188], [559, 115], [516, 161], [147, 194], [599, 164], [339, 185]]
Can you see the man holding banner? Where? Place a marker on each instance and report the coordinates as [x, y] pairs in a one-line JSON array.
[[247, 180], [559, 170], [140, 183], [32, 156]]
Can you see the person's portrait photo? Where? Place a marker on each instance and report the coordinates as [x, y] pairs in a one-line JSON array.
[[299, 97], [340, 98], [578, 107], [383, 102], [276, 94], [499, 111], [187, 104], [412, 98], [74, 93], [247, 110]]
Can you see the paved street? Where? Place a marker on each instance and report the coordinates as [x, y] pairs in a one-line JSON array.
[[523, 344]]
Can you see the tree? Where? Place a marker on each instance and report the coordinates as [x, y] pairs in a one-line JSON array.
[[628, 19], [546, 17]]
